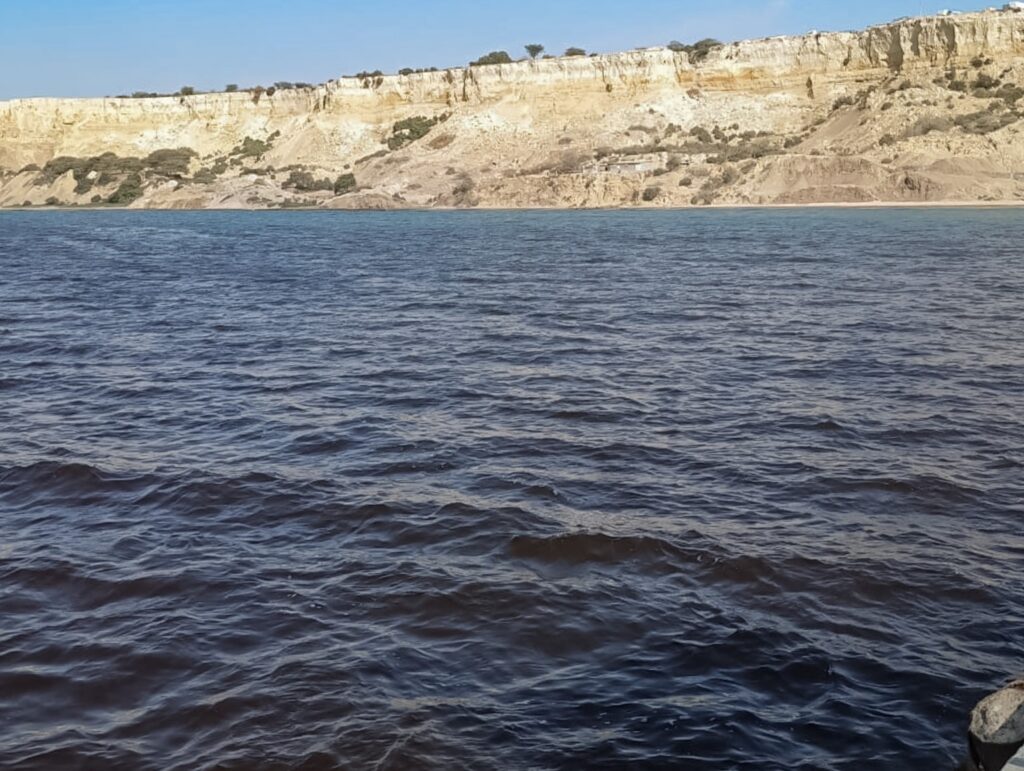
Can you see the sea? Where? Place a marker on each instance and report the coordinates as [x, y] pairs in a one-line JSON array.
[[709, 489]]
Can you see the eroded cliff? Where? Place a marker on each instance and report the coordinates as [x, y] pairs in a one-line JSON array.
[[917, 110]]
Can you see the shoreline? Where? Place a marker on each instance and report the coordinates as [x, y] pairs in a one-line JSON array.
[[717, 206]]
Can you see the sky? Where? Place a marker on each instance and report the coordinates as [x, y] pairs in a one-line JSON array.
[[110, 47]]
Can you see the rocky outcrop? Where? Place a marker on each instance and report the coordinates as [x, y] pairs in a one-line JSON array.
[[821, 117]]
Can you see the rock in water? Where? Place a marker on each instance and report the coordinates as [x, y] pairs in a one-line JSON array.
[[997, 729]]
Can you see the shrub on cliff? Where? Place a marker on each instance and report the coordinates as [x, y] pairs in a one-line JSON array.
[[1010, 93], [702, 135], [204, 177], [170, 163], [651, 194], [346, 183], [986, 121], [252, 148], [494, 57], [985, 81], [534, 50], [128, 191], [187, 91], [573, 51], [696, 52], [411, 129], [231, 88], [305, 182]]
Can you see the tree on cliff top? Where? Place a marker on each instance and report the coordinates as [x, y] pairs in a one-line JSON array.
[[574, 51], [494, 57], [534, 50]]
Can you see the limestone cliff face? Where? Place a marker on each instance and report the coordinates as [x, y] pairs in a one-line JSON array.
[[541, 124]]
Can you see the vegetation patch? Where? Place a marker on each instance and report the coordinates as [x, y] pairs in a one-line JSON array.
[[696, 52], [305, 182], [254, 148], [986, 121], [411, 129], [346, 183], [128, 191], [494, 57], [173, 164]]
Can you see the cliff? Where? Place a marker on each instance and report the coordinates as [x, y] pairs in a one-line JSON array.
[[918, 110]]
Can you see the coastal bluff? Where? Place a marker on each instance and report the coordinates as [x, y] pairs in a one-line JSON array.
[[919, 110]]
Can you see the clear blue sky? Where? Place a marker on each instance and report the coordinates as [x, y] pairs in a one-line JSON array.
[[101, 47]]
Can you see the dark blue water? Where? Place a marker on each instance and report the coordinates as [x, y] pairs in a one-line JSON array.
[[681, 490]]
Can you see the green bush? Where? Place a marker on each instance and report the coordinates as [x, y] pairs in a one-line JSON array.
[[843, 101], [53, 201], [411, 129], [985, 81], [231, 88], [696, 52], [346, 183], [573, 51], [305, 182], [651, 194], [108, 164], [170, 163], [494, 57], [128, 191], [702, 134], [252, 148], [534, 50], [986, 121], [187, 91]]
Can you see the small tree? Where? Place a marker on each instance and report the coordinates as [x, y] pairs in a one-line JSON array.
[[231, 88], [187, 91], [534, 50], [677, 47], [494, 57], [573, 51]]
